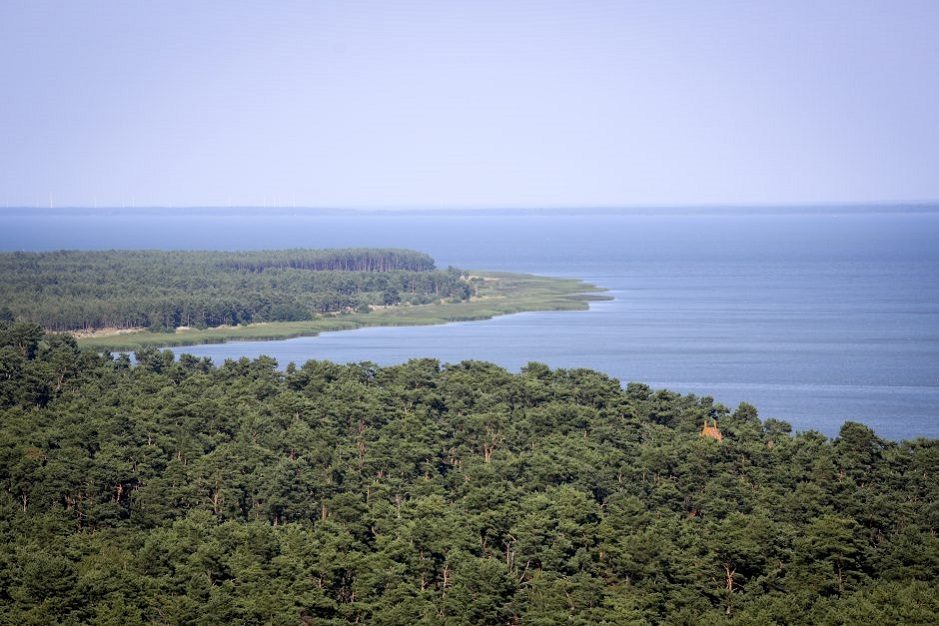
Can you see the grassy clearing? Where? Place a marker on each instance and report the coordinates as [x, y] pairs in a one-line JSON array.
[[498, 293]]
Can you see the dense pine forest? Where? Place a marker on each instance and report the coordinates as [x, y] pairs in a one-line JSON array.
[[72, 290], [178, 491]]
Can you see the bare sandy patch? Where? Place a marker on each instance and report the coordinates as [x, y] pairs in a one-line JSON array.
[[103, 332]]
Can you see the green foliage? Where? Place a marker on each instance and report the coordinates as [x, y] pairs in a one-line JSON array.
[[72, 290], [494, 293], [175, 491]]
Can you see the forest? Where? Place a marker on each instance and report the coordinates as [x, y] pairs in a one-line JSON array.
[[178, 491], [160, 290]]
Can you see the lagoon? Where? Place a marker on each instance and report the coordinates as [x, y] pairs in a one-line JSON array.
[[814, 315]]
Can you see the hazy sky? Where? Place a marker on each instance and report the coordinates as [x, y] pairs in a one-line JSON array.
[[475, 103]]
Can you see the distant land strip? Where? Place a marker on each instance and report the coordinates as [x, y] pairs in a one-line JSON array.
[[496, 293]]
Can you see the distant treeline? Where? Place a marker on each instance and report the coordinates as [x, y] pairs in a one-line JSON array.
[[72, 290], [180, 492]]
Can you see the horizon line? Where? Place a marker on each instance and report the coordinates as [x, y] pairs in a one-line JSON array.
[[489, 208]]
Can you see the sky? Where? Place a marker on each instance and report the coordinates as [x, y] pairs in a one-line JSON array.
[[441, 104]]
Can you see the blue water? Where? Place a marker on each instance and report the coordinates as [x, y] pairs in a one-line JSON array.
[[814, 316]]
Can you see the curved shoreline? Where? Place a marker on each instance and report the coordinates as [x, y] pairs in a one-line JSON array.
[[498, 293]]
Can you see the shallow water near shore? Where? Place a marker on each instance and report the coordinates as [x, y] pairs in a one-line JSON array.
[[814, 316]]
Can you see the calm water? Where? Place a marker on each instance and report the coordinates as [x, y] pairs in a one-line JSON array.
[[815, 316]]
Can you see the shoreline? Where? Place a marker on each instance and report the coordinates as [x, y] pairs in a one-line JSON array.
[[498, 293]]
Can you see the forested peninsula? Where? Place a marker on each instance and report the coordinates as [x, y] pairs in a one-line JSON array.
[[180, 491], [124, 300]]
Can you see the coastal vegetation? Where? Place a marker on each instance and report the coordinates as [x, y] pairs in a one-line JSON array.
[[163, 290], [495, 293], [126, 300], [180, 491]]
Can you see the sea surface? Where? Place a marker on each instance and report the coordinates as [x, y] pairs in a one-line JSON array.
[[815, 315]]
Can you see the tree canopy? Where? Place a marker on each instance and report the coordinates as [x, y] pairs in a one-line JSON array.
[[76, 290], [178, 491]]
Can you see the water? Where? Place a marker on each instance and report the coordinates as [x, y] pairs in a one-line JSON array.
[[815, 316]]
